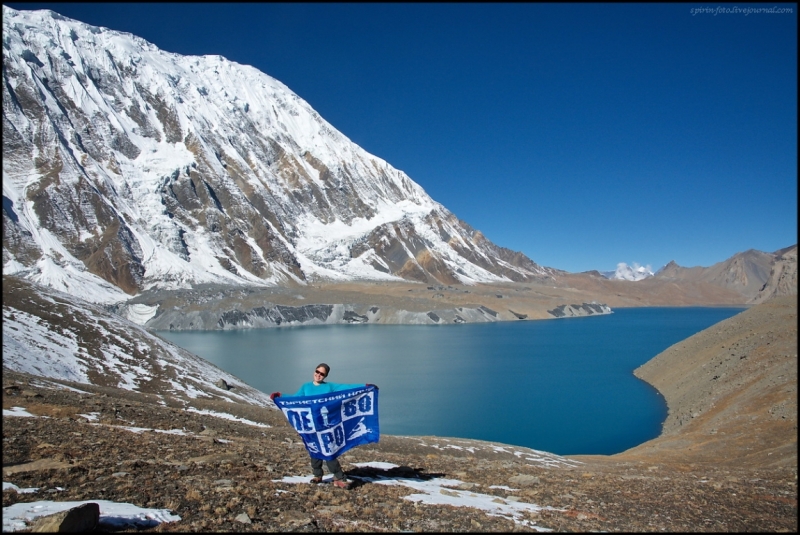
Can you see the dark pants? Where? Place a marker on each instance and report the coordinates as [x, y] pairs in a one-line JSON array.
[[333, 467]]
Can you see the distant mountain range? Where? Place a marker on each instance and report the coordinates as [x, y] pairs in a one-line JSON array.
[[749, 277], [749, 273], [127, 168], [755, 274]]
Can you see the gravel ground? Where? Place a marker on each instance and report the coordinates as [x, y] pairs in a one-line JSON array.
[[216, 469]]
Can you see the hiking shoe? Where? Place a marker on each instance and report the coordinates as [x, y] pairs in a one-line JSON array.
[[341, 483], [315, 480]]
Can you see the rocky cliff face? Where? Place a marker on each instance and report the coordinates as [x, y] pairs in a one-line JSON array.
[[782, 276], [751, 274], [586, 309], [269, 315], [131, 168]]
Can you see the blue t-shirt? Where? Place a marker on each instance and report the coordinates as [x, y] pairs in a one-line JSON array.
[[310, 389]]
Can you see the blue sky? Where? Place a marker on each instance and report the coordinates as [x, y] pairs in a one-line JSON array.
[[583, 135]]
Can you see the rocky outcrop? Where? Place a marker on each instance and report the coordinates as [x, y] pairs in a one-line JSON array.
[[782, 276], [586, 309]]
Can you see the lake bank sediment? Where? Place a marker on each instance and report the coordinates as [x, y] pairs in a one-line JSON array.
[[405, 303]]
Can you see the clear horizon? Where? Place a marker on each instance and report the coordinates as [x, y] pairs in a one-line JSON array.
[[582, 135]]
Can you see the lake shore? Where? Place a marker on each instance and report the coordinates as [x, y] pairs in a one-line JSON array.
[[225, 307]]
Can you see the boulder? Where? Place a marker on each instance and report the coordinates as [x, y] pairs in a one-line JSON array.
[[222, 384], [84, 517]]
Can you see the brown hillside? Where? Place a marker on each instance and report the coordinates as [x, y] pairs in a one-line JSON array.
[[731, 391]]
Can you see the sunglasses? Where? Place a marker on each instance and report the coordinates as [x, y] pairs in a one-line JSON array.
[[317, 372]]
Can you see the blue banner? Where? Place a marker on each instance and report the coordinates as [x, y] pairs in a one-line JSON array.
[[331, 424]]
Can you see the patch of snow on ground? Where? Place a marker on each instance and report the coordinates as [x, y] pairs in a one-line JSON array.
[[226, 417], [540, 458], [113, 515], [503, 487], [17, 411], [377, 464], [144, 429], [439, 491], [57, 386], [11, 486]]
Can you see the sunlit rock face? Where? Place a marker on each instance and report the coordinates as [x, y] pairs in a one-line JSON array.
[[129, 168]]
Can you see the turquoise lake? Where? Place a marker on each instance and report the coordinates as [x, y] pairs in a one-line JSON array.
[[564, 386]]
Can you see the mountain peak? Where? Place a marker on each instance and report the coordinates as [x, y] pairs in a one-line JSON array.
[[633, 272]]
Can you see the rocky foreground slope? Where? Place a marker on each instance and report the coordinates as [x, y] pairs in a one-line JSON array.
[[732, 390], [727, 460]]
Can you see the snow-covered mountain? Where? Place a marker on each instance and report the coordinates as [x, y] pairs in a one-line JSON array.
[[127, 168], [634, 272]]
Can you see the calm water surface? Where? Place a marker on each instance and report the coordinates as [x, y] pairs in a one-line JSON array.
[[564, 386]]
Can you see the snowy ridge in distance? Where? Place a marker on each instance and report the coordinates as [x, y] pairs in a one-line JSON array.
[[633, 272]]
